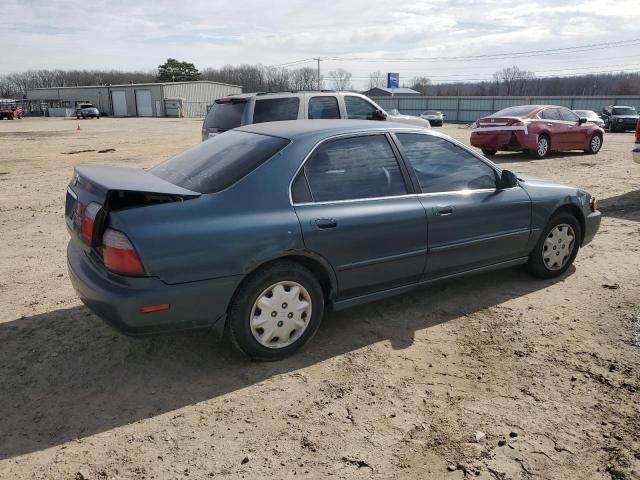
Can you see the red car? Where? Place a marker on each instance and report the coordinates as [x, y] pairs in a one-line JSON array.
[[537, 129], [10, 111]]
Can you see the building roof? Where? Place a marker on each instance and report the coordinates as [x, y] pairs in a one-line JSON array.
[[403, 90], [137, 85]]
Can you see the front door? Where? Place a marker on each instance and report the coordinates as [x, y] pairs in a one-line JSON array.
[[472, 224], [352, 201]]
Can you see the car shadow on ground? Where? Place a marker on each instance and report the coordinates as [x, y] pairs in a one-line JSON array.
[[66, 375], [625, 206]]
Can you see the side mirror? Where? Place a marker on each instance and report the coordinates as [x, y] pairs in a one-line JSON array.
[[581, 121], [379, 115], [508, 179]]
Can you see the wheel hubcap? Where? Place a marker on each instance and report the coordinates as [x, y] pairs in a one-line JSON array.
[[595, 143], [543, 146], [558, 247], [280, 314]]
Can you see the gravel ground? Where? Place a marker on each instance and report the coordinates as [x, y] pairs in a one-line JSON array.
[[499, 376]]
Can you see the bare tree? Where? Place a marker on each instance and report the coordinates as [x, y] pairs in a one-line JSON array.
[[377, 79], [513, 80], [421, 84], [305, 78], [341, 79]]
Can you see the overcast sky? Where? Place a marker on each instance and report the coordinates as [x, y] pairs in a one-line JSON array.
[[140, 34]]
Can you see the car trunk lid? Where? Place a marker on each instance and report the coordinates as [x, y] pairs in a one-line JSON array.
[[94, 191]]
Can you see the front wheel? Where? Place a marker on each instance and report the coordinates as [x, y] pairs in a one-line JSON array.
[[275, 311], [557, 247], [595, 144], [544, 145]]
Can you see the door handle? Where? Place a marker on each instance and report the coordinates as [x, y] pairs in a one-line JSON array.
[[443, 211], [325, 223], [550, 124]]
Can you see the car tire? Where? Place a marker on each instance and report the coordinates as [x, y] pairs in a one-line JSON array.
[[543, 146], [489, 152], [550, 257], [595, 144], [257, 337], [98, 117]]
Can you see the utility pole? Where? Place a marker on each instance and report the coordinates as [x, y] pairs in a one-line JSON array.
[[318, 60]]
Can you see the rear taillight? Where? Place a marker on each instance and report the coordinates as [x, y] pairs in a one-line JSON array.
[[638, 131], [119, 255], [89, 220]]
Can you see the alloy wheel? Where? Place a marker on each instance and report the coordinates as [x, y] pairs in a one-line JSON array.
[[596, 142], [543, 146]]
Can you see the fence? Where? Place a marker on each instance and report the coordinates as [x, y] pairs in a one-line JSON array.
[[469, 109]]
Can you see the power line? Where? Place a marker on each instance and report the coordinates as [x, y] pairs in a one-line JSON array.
[[496, 56]]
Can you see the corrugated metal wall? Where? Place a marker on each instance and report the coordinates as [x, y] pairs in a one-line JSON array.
[[469, 109], [197, 95]]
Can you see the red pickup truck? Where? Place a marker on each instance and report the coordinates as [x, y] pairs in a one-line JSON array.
[[10, 111]]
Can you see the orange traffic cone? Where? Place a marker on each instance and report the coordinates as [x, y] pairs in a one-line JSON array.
[[78, 127]]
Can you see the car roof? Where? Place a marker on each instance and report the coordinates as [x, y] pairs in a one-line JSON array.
[[324, 128]]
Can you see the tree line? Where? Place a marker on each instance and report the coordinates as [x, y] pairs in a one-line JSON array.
[[259, 78]]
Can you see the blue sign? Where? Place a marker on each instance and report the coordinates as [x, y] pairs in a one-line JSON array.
[[393, 80]]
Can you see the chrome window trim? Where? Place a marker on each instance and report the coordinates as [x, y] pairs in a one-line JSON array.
[[407, 195]]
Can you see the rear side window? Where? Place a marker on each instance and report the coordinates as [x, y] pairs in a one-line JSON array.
[[351, 168], [358, 108], [220, 161], [225, 115], [551, 114], [323, 107], [442, 166], [276, 109]]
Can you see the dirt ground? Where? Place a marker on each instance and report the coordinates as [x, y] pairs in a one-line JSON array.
[[499, 376]]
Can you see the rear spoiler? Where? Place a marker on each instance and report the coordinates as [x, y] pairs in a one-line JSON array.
[[126, 179]]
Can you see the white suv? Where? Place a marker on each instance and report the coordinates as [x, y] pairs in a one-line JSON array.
[[243, 109]]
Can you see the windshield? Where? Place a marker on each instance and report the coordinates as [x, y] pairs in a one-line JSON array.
[[519, 111], [624, 111], [220, 161], [86, 105], [225, 114]]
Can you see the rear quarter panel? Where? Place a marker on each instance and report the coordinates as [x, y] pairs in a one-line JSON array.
[[220, 234]]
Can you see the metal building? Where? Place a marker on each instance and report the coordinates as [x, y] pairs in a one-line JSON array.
[[186, 99]]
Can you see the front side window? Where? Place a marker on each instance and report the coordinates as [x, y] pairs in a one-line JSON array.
[[550, 114], [323, 107], [351, 168], [568, 115], [359, 109], [442, 166], [276, 109]]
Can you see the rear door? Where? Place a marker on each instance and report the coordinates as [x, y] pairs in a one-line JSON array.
[[352, 200], [471, 223]]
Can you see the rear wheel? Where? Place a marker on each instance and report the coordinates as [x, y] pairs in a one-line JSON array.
[[275, 311], [557, 247], [489, 151], [543, 147], [595, 144]]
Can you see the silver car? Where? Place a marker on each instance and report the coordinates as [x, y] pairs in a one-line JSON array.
[[435, 118], [591, 117], [87, 110], [248, 108]]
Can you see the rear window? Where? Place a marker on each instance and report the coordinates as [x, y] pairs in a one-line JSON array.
[[276, 109], [225, 115], [519, 111], [220, 161], [624, 111]]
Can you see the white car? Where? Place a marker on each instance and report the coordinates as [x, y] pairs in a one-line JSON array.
[[247, 108]]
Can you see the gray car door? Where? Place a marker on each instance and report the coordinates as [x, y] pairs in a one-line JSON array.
[[472, 224], [352, 201]]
